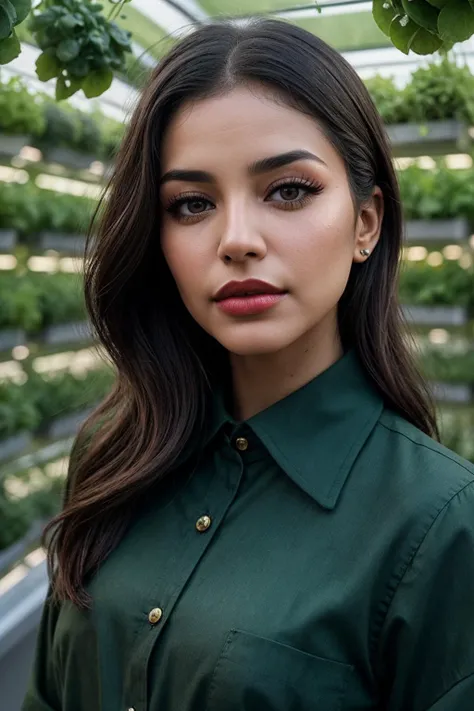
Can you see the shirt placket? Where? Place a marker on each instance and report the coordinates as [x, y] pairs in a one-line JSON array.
[[204, 516]]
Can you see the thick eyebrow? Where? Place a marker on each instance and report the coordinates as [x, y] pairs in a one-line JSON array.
[[264, 165]]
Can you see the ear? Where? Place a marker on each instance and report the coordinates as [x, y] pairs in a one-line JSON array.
[[368, 225]]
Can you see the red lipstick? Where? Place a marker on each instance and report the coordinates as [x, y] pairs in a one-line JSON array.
[[247, 298]]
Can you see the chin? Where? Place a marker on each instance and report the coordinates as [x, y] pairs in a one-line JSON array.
[[256, 340]]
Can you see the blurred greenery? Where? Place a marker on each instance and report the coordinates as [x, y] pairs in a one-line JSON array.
[[52, 125], [21, 110], [439, 91], [439, 193], [448, 284], [35, 403], [30, 209], [33, 301], [441, 365]]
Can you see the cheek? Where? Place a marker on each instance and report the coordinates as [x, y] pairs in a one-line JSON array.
[[323, 244], [184, 261], [321, 256]]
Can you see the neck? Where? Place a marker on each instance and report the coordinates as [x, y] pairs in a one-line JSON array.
[[261, 380]]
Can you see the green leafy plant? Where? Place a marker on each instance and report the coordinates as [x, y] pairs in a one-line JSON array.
[[29, 496], [42, 398], [33, 301], [445, 285], [112, 132], [12, 13], [90, 134], [60, 394], [49, 124], [17, 413], [20, 110], [440, 193], [81, 47], [61, 127], [60, 212], [66, 126], [60, 298], [20, 303], [425, 26], [389, 99], [441, 90], [20, 208], [442, 365], [34, 494], [29, 209]]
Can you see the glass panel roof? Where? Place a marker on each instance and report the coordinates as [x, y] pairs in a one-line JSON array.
[[346, 32], [244, 7], [346, 28]]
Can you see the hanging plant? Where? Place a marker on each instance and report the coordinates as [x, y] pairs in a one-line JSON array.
[[12, 12], [82, 48], [425, 26]]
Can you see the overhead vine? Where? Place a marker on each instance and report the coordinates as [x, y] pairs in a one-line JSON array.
[[12, 13], [425, 26], [81, 46]]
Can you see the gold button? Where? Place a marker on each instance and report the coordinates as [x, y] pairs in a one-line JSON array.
[[203, 523], [155, 615], [241, 443]]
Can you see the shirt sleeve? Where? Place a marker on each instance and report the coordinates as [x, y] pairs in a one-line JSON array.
[[42, 693], [427, 639]]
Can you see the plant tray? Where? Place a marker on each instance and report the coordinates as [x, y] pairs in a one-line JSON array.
[[11, 145], [67, 333], [14, 445], [436, 316], [461, 393], [437, 232], [68, 158], [20, 613], [67, 425], [11, 338], [17, 550], [68, 244], [7, 240], [430, 138]]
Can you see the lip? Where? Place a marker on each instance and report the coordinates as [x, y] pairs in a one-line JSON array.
[[249, 287], [248, 298], [249, 305]]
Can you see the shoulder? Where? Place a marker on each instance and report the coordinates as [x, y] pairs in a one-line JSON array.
[[429, 455], [423, 478], [426, 608]]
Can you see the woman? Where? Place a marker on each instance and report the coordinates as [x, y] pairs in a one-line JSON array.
[[262, 518]]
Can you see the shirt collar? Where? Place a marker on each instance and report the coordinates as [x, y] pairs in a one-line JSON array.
[[316, 433]]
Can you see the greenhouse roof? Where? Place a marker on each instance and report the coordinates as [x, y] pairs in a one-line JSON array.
[[347, 25]]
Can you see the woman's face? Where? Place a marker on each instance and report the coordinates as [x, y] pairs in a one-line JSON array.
[[291, 224]]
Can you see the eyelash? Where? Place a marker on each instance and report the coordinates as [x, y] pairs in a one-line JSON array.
[[312, 186]]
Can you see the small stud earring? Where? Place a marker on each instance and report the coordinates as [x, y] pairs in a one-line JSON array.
[[365, 252]]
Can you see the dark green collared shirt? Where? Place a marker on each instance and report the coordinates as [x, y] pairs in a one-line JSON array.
[[318, 557]]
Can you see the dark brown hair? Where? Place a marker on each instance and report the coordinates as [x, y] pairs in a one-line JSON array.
[[166, 364]]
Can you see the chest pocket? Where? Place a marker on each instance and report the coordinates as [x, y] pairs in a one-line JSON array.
[[258, 674]]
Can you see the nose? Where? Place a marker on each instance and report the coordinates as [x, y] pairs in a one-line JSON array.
[[240, 239]]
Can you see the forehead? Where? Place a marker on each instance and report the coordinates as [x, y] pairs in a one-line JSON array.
[[239, 125]]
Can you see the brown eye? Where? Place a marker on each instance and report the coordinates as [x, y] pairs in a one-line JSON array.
[[196, 206], [289, 193], [294, 192]]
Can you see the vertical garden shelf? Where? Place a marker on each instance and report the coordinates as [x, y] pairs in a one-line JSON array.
[[434, 138]]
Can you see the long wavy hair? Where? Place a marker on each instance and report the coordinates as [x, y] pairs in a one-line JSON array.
[[165, 364]]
